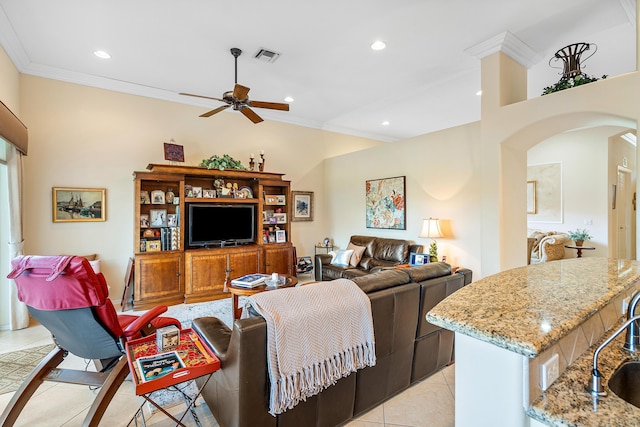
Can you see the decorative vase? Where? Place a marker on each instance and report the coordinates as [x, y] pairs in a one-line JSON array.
[[169, 196], [579, 242]]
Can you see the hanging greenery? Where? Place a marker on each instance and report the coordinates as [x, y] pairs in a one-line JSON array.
[[569, 82], [222, 163]]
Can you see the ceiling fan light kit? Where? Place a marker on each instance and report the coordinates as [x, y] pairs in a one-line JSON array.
[[238, 98]]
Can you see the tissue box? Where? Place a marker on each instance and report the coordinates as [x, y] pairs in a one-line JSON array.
[[167, 337]]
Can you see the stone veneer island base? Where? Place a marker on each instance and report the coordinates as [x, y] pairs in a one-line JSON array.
[[508, 324]]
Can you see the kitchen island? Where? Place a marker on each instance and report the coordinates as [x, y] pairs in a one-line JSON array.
[[507, 325]]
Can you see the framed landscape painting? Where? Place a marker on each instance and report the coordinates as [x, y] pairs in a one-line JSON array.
[[78, 204], [302, 205], [385, 203]]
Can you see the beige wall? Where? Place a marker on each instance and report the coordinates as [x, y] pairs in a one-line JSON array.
[[86, 137], [441, 170]]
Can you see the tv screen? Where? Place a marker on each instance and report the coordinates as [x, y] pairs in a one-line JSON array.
[[220, 225]]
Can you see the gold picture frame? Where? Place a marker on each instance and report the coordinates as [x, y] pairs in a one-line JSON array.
[[70, 204]]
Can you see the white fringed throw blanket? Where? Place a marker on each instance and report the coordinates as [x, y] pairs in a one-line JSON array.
[[316, 334]]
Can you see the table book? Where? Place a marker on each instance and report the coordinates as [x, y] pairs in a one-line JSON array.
[[250, 280], [158, 365]]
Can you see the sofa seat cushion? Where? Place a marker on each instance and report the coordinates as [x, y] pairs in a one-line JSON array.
[[331, 272]]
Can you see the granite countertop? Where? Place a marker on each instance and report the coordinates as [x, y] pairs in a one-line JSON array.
[[528, 309], [567, 403]]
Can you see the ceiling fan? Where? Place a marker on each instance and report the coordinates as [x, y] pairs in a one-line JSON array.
[[238, 98]]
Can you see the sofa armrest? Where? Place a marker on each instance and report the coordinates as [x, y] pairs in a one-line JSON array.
[[552, 247], [214, 333], [321, 259]]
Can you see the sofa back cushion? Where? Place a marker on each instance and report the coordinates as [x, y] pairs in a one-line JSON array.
[[393, 250], [428, 271], [381, 280]]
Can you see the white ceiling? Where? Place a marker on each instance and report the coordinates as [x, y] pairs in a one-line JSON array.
[[424, 81]]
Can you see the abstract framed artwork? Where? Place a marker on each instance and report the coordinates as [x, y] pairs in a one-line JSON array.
[[302, 205], [386, 204], [78, 204], [173, 152]]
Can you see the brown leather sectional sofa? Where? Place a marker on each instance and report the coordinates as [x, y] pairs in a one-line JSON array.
[[408, 348], [379, 253]]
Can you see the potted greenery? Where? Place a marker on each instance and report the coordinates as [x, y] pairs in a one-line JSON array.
[[222, 163], [579, 236]]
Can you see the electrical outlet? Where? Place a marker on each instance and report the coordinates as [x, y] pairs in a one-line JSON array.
[[549, 371]]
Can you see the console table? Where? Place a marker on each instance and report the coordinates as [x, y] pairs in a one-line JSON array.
[[580, 249]]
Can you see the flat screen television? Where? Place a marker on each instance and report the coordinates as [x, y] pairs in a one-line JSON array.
[[220, 225]]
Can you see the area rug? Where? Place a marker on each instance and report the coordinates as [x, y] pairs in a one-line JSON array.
[[185, 313], [15, 366]]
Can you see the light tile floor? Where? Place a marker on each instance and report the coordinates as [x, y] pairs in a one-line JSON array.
[[427, 403]]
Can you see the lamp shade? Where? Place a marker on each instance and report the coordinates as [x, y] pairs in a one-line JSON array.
[[431, 228]]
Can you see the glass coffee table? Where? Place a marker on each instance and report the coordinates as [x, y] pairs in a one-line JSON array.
[[237, 291]]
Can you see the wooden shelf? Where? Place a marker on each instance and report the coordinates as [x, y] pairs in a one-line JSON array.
[[199, 274]]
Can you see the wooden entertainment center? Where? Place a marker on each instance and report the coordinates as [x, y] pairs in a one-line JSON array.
[[168, 271]]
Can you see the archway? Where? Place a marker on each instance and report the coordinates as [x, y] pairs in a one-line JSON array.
[[513, 164]]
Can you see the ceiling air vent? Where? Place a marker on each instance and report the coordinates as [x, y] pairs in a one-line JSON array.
[[266, 55]]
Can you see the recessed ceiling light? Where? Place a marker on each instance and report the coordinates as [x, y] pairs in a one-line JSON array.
[[386, 123], [479, 93], [288, 99], [378, 45], [102, 54]]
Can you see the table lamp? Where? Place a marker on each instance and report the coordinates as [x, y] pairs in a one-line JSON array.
[[431, 230]]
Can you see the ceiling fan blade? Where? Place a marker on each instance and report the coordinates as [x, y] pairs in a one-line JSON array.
[[251, 115], [240, 92], [214, 111], [202, 96], [271, 105]]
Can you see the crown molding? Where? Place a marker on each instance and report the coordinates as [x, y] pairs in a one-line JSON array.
[[508, 44]]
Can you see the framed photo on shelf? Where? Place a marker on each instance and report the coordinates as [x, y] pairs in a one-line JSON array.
[[153, 246], [281, 218], [281, 199], [157, 218], [157, 197], [144, 221], [172, 220], [271, 199], [302, 206], [78, 204], [144, 198], [281, 236], [209, 193], [418, 259], [197, 192]]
